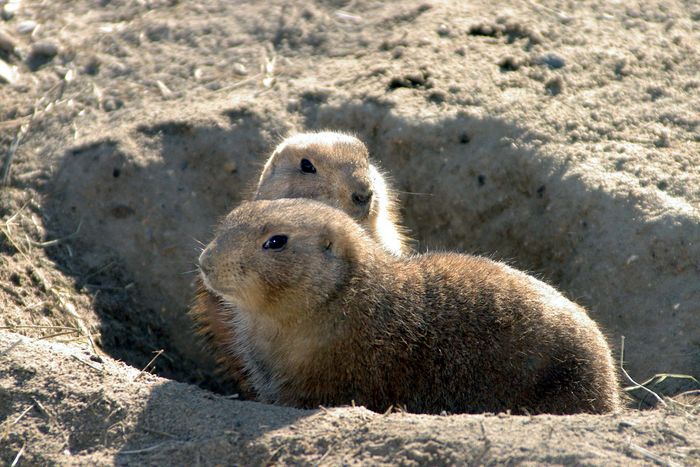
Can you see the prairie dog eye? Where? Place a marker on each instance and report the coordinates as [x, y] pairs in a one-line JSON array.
[[307, 167], [275, 243]]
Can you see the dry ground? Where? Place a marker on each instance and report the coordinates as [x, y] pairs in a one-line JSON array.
[[563, 137]]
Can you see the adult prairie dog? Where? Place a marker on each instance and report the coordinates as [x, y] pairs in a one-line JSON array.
[[325, 316], [327, 166]]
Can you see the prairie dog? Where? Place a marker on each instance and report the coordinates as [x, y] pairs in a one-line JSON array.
[[327, 166], [334, 168], [325, 316]]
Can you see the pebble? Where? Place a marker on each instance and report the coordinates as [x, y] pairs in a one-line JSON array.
[[10, 9], [7, 43], [8, 74], [552, 60], [443, 30], [110, 104], [26, 27], [230, 167], [240, 69], [45, 48], [554, 86]]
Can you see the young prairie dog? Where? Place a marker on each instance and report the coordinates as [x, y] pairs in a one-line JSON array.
[[334, 168], [327, 166], [325, 316]]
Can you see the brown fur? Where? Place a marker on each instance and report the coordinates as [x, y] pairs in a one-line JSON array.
[[343, 168], [333, 318]]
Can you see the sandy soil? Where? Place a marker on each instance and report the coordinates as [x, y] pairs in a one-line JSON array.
[[76, 411], [563, 137]]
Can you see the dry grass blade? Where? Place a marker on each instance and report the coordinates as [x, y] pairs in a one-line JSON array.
[[99, 370], [30, 326], [15, 122], [7, 230], [65, 306], [7, 425], [148, 449], [636, 384], [650, 455], [158, 354], [19, 454], [689, 393], [240, 83], [161, 433], [41, 407], [59, 334], [56, 241], [20, 416], [12, 346], [9, 157]]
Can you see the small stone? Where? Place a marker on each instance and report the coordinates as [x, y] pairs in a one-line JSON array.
[[230, 167], [110, 104], [7, 43], [552, 60], [437, 96], [8, 74], [625, 424], [240, 69], [663, 140], [293, 105], [47, 49], [92, 67], [507, 64], [10, 9], [26, 27], [16, 279], [443, 30], [554, 86], [621, 68]]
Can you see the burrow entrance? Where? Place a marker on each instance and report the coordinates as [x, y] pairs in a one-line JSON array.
[[145, 199]]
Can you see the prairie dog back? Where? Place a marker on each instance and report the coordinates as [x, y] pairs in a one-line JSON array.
[[325, 316]]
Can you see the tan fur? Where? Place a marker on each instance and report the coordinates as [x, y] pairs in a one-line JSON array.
[[342, 169], [333, 318]]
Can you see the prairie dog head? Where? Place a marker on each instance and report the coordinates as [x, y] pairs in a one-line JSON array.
[[282, 257], [330, 167]]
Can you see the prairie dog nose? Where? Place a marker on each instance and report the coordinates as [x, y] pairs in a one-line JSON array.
[[361, 198]]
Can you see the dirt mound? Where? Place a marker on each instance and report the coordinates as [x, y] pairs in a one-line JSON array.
[[76, 411], [563, 139], [471, 183]]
